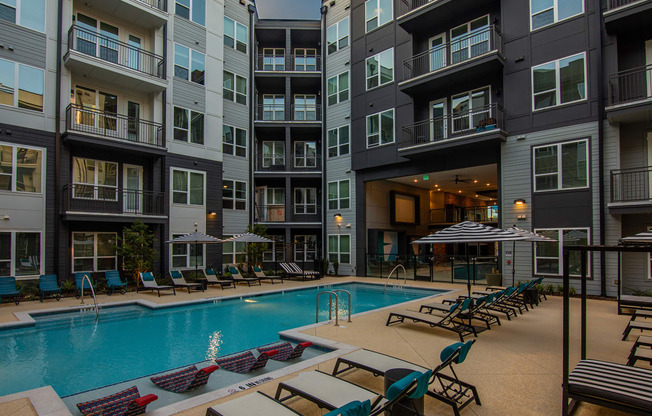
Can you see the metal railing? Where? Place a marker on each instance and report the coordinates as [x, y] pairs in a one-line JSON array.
[[279, 112], [630, 185], [454, 215], [458, 50], [90, 286], [157, 4], [452, 126], [112, 200], [613, 4], [115, 126], [406, 6], [119, 53], [279, 63], [277, 212], [297, 163], [630, 85]]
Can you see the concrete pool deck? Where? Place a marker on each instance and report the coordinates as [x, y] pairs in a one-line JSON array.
[[516, 367]]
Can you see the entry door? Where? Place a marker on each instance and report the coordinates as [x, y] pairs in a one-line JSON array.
[[133, 55], [133, 123], [439, 125], [133, 187], [437, 52]]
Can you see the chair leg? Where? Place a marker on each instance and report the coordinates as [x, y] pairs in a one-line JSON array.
[[626, 333]]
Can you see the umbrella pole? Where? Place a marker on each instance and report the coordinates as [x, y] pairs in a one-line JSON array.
[[513, 260], [468, 270], [196, 270]]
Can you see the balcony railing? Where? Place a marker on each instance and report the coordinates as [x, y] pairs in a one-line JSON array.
[[112, 200], [157, 4], [115, 126], [406, 6], [279, 63], [448, 54], [298, 112], [459, 214], [453, 126], [277, 212], [630, 85], [119, 53], [270, 213], [631, 185], [613, 4], [270, 163]]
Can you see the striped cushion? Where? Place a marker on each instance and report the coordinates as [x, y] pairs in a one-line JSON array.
[[613, 382], [184, 380], [245, 362], [285, 350], [114, 405]]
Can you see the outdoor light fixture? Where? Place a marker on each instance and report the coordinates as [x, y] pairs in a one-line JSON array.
[[519, 201], [212, 213], [337, 216]]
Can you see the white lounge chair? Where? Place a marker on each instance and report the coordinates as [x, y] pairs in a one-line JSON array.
[[147, 279], [211, 279], [251, 404]]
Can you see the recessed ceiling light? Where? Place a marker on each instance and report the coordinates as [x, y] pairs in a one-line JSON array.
[[488, 184], [475, 181], [436, 186], [416, 180], [460, 191], [476, 196]]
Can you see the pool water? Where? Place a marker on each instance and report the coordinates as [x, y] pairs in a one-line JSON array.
[[74, 352]]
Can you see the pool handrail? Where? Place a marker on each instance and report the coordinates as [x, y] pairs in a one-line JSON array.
[[390, 275], [349, 294], [331, 293], [85, 277]]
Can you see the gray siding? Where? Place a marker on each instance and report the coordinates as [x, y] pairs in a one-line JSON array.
[[29, 46], [188, 95], [189, 34], [236, 114]]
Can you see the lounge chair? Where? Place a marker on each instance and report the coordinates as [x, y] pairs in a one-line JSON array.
[[260, 274], [442, 320], [187, 379], [179, 281], [285, 350], [113, 282], [639, 353], [479, 311], [238, 278], [8, 289], [640, 325], [305, 273], [79, 277], [127, 402], [289, 272], [149, 283], [245, 362], [211, 279], [256, 403], [47, 285]]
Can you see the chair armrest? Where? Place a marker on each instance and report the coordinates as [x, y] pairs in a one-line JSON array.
[[271, 352], [145, 400], [306, 344], [210, 369]]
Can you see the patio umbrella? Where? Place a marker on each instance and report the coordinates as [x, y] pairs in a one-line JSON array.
[[469, 232], [529, 236], [640, 238], [249, 238], [197, 238]]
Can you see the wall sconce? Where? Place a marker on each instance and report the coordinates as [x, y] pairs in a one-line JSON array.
[[212, 213], [337, 216], [519, 202]]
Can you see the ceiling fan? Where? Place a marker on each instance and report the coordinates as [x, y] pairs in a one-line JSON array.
[[462, 180]]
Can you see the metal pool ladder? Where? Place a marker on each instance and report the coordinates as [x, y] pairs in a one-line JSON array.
[[332, 293], [396, 269], [88, 279]]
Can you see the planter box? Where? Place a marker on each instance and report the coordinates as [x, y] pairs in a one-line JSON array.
[[494, 279]]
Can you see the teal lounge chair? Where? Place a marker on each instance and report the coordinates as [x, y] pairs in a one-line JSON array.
[[113, 282], [47, 285], [8, 289], [78, 283]]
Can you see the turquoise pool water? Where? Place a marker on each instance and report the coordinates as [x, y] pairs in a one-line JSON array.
[[73, 352]]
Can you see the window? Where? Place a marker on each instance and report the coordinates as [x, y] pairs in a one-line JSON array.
[[188, 131], [305, 200], [305, 107], [234, 194], [305, 59], [339, 196], [194, 10], [380, 128], [339, 248], [29, 80], [559, 82], [305, 247], [187, 187], [273, 59], [94, 179], [186, 255], [235, 35], [27, 13], [273, 107], [337, 35], [20, 254], [338, 88], [305, 154], [547, 12], [561, 166], [469, 40], [338, 141], [233, 252], [189, 63], [20, 169], [377, 13], [549, 254], [270, 204], [471, 109], [273, 154], [94, 251], [234, 141], [235, 88], [380, 69], [276, 250]]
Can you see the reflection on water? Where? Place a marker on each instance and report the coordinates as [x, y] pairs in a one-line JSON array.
[[214, 344]]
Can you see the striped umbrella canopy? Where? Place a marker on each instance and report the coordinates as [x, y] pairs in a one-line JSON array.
[[529, 236], [249, 238], [469, 232], [197, 238], [640, 238]]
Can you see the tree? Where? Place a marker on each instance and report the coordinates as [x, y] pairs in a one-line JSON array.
[[254, 251], [136, 247]]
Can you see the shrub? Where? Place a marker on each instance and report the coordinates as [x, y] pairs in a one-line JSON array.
[[572, 291], [136, 247]]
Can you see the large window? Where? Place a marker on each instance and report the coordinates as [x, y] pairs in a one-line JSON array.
[[189, 64], [469, 40], [339, 194], [29, 80], [234, 194], [380, 128], [94, 251], [188, 126], [339, 248], [470, 109], [235, 35], [94, 179], [305, 154], [547, 12], [337, 35], [561, 166], [233, 252], [234, 141], [338, 88], [194, 10], [235, 88], [305, 200], [20, 254], [305, 107], [27, 13], [380, 69], [186, 255], [338, 141], [549, 255], [276, 250], [273, 107], [20, 169], [273, 59], [305, 59], [559, 82], [377, 13], [187, 187], [273, 154], [305, 248]]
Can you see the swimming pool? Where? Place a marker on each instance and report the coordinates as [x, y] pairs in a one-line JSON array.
[[74, 352]]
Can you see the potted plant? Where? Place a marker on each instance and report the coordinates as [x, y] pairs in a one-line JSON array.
[[495, 278]]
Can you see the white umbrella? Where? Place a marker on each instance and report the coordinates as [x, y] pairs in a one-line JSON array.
[[197, 238], [529, 236], [640, 238], [249, 238]]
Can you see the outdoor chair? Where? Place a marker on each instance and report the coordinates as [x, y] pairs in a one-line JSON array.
[[183, 380], [260, 274], [305, 273], [125, 403], [256, 403], [441, 320], [113, 282], [498, 306], [48, 285], [8, 289], [245, 362], [211, 279], [79, 278], [638, 352], [639, 325], [289, 271], [179, 281], [149, 283], [479, 311], [285, 350], [238, 278]]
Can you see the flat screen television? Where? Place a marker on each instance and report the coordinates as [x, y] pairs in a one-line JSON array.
[[403, 208]]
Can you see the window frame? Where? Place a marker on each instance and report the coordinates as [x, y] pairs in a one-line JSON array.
[[560, 166], [339, 253], [307, 240], [16, 86], [187, 255], [191, 9], [13, 258], [234, 199], [14, 168], [19, 16], [189, 64], [338, 145], [305, 144], [269, 160], [368, 135], [337, 201], [555, 7], [270, 255], [339, 91], [188, 130], [271, 53], [235, 147], [378, 75], [236, 39], [96, 187], [338, 37], [558, 102], [367, 19], [232, 248], [307, 207], [95, 256], [234, 92], [303, 53], [188, 190], [560, 258]]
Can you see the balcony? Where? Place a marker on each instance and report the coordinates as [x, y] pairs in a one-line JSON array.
[[483, 125], [470, 57], [268, 164], [631, 191], [109, 61], [277, 113], [94, 127], [106, 203], [298, 64], [423, 15], [630, 16], [630, 95], [276, 213], [147, 14], [454, 215]]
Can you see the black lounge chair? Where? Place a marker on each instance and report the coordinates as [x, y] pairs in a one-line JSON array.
[[239, 278], [448, 321], [260, 274], [641, 350], [179, 281], [212, 279], [640, 325], [48, 286]]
